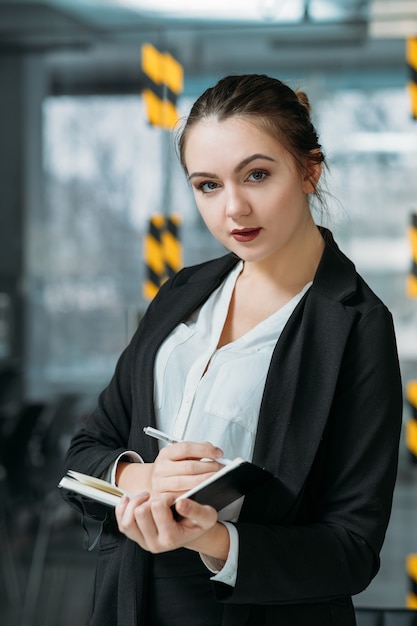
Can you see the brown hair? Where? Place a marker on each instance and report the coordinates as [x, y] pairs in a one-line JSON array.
[[271, 105]]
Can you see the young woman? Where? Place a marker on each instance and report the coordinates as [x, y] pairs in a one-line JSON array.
[[278, 352]]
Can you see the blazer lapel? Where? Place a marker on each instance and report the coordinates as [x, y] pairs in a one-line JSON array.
[[177, 304], [303, 375], [185, 296]]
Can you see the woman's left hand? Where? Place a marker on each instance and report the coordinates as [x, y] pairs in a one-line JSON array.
[[150, 522]]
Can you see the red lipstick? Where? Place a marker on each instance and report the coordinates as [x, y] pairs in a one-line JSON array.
[[245, 235]]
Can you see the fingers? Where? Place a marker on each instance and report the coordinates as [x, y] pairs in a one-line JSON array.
[[182, 466], [156, 522], [127, 503], [182, 477], [191, 450], [151, 524], [125, 513], [200, 515]]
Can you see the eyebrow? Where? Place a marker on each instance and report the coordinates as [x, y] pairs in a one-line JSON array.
[[237, 169]]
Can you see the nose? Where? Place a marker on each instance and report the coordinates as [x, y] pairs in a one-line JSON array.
[[237, 205]]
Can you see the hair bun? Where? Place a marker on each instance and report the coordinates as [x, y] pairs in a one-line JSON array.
[[303, 100]]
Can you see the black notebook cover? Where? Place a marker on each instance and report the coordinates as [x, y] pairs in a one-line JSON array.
[[228, 484]]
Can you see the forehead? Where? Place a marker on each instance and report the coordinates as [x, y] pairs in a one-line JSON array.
[[234, 138]]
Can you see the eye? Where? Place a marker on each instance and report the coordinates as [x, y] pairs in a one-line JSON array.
[[207, 186], [257, 176]]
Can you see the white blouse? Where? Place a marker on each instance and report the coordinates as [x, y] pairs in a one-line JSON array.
[[205, 393]]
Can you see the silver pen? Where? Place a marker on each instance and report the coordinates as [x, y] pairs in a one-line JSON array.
[[158, 434], [161, 436]]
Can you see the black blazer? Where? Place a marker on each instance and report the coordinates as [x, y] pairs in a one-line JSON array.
[[328, 430]]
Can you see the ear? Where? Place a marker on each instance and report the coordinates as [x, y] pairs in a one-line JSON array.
[[311, 177]]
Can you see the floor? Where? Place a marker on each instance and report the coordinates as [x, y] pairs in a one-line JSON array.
[[46, 576]]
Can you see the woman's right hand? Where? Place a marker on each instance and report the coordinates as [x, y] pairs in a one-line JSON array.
[[177, 468]]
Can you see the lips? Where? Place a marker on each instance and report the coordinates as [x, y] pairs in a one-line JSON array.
[[244, 235]]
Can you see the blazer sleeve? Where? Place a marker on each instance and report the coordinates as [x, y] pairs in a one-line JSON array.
[[334, 551]]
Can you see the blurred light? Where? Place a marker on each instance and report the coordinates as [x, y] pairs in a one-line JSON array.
[[391, 143], [393, 19], [287, 11], [228, 10], [337, 10], [395, 29], [392, 8]]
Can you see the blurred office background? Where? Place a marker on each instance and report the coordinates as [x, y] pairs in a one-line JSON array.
[[81, 173]]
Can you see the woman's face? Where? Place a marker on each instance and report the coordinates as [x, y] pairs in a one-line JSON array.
[[247, 187]]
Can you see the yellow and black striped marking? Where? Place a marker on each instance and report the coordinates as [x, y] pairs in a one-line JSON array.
[[172, 245], [163, 81], [412, 69], [412, 581], [411, 428], [162, 251], [154, 257], [412, 279]]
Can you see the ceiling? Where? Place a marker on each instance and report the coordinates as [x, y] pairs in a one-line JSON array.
[[100, 40]]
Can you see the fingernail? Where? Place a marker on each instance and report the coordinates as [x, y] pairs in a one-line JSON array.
[[218, 453], [185, 506]]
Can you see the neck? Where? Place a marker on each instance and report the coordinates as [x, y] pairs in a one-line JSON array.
[[295, 265]]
